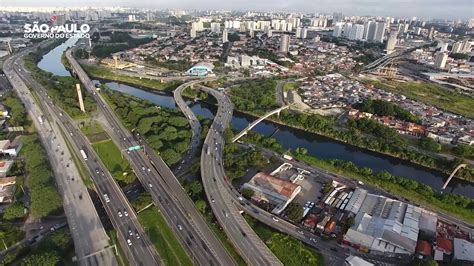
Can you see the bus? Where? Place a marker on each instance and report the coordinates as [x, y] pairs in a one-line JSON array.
[[84, 155]]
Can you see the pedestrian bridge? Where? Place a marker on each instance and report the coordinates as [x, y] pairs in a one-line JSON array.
[[254, 123], [452, 175]]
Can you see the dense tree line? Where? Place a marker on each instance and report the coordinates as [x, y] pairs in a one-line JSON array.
[[119, 41], [62, 90], [166, 130], [384, 108], [257, 96], [17, 111]]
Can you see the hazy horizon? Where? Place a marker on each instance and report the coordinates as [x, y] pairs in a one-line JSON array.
[[428, 9]]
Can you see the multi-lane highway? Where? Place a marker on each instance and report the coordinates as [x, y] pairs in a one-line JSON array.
[[132, 237], [90, 240], [249, 245], [166, 191]]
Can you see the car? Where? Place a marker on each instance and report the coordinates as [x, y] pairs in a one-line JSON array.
[[274, 218], [150, 185], [106, 197], [97, 171], [129, 242], [334, 249], [125, 213], [312, 239], [212, 199], [143, 168], [137, 235], [120, 214], [103, 174], [180, 227], [149, 170], [300, 231], [124, 138], [130, 232]]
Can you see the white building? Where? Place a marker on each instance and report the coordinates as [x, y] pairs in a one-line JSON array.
[[379, 31], [391, 42], [367, 25], [285, 43], [357, 32], [225, 36], [441, 59], [337, 32], [215, 27]]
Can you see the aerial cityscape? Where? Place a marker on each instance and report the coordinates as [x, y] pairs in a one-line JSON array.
[[237, 133]]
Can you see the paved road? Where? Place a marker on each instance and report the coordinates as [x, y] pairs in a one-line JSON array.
[[90, 240], [249, 245], [280, 99], [134, 241], [166, 191]]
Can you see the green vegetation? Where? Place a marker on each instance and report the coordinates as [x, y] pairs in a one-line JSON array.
[[256, 96], [237, 166], [294, 211], [45, 199], [455, 205], [56, 249], [289, 250], [16, 108], [431, 94], [10, 235], [94, 131], [62, 90], [458, 56], [112, 157], [384, 108], [464, 151], [119, 41], [178, 65], [165, 130], [107, 74], [14, 211], [429, 144], [169, 248], [290, 86]]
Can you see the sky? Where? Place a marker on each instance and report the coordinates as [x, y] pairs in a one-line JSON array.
[[444, 9]]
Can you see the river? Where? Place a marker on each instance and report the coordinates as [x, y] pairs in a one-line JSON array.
[[291, 138]]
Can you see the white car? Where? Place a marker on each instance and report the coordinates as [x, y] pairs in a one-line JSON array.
[[129, 242], [120, 214], [150, 185], [274, 219], [106, 197], [125, 213], [180, 227]]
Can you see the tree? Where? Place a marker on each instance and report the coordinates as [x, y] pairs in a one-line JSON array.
[[45, 258], [201, 206], [14, 211], [429, 144], [301, 151], [194, 188], [248, 192], [294, 211]]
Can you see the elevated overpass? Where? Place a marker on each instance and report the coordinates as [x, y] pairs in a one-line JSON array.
[[254, 123]]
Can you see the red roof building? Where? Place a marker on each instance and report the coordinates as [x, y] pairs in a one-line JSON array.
[[423, 247]]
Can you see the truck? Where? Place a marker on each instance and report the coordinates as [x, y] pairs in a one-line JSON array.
[[84, 155], [287, 157]]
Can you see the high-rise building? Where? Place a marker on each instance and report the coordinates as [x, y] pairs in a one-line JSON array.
[[193, 33], [443, 47], [466, 46], [457, 47], [225, 36], [379, 31], [431, 33], [357, 32], [371, 31], [391, 42], [347, 30], [441, 59], [367, 24], [337, 32], [285, 43], [337, 17], [215, 27], [304, 33], [298, 32]]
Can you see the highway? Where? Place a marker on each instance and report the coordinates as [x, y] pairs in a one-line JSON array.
[[166, 191], [249, 245], [91, 242], [134, 241], [225, 200]]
